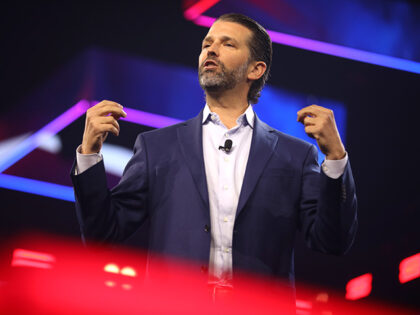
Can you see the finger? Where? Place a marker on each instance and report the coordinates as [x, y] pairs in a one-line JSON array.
[[309, 121], [109, 120], [322, 111], [103, 128], [104, 136], [316, 109], [99, 125], [321, 108], [111, 109], [103, 104], [305, 112], [313, 111], [312, 132], [106, 102]]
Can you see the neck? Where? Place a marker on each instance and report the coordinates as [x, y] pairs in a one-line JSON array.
[[229, 105]]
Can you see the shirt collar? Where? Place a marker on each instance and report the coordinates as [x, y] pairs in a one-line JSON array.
[[248, 115]]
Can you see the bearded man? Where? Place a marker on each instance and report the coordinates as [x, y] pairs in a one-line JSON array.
[[223, 188]]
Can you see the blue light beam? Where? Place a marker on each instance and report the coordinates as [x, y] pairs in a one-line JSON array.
[[37, 187]]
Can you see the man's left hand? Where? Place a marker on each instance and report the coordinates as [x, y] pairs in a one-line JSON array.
[[320, 124]]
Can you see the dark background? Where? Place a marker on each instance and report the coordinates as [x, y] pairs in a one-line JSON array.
[[382, 124]]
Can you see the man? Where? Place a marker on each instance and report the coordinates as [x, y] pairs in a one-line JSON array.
[[231, 205]]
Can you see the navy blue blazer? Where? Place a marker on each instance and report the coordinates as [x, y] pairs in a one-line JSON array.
[[283, 191]]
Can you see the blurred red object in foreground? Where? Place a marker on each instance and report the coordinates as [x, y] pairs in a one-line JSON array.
[[359, 287], [97, 280], [28, 258], [410, 268]]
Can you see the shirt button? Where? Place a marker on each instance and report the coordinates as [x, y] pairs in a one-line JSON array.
[[226, 135], [225, 219], [227, 250], [226, 159], [225, 187], [206, 228]]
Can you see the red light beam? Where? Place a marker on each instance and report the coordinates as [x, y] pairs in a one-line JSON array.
[[359, 287], [29, 258], [198, 8], [410, 268]]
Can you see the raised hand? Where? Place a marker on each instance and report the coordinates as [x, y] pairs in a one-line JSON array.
[[320, 124], [101, 119]]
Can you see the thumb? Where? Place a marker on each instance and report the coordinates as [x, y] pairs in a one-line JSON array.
[[104, 135]]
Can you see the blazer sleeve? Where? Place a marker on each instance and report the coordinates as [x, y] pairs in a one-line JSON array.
[[112, 215], [328, 208]]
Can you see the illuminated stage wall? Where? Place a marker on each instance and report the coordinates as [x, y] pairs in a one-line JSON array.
[[361, 60], [154, 89]]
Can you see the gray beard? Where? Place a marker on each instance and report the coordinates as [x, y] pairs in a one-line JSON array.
[[213, 81]]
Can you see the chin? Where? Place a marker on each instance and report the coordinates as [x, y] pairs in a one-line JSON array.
[[209, 82], [211, 87]]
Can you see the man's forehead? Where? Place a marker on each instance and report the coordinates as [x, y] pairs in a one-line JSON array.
[[228, 29]]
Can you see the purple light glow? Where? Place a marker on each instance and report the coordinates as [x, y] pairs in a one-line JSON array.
[[149, 119], [345, 52], [32, 142], [201, 6], [330, 49], [146, 119], [205, 21]]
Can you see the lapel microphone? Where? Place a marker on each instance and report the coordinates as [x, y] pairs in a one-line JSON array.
[[227, 147]]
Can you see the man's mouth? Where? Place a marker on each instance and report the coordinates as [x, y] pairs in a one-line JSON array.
[[210, 64]]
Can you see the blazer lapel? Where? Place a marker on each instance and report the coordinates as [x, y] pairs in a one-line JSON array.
[[262, 147], [190, 137]]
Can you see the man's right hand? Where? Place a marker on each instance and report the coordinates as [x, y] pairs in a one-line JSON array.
[[101, 119]]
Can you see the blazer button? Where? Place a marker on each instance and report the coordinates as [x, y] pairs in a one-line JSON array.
[[206, 228]]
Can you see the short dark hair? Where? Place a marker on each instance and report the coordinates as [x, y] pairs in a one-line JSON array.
[[260, 47]]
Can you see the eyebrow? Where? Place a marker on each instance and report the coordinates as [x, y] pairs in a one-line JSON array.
[[223, 38]]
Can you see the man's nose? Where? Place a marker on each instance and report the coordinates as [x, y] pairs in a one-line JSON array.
[[213, 50], [211, 53]]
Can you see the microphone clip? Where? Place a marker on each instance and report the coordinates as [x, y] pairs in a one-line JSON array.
[[227, 147]]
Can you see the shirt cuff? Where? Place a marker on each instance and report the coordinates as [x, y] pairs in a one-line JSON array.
[[334, 168], [85, 161]]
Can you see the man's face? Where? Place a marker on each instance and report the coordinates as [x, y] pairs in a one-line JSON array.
[[224, 58]]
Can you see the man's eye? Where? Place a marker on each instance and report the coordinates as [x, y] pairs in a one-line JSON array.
[[206, 45], [229, 45]]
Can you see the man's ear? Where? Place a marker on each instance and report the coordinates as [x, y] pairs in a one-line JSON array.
[[256, 70]]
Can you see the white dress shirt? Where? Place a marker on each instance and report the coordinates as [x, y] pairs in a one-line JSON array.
[[224, 173]]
